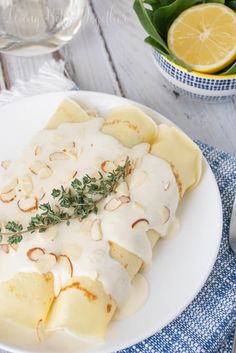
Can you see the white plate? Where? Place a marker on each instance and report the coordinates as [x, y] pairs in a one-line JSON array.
[[181, 265]]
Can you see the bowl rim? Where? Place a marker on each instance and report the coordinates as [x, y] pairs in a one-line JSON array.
[[199, 74]]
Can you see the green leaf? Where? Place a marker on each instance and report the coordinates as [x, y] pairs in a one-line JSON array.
[[169, 56], [231, 4], [230, 70], [165, 15], [147, 23]]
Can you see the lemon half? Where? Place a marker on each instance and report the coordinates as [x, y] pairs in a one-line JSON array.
[[204, 37]]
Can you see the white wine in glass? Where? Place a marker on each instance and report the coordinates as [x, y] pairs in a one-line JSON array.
[[32, 27]]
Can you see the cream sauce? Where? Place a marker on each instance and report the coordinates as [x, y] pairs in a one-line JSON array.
[[148, 196], [136, 298]]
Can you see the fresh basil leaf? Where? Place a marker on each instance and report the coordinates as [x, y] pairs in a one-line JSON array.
[[166, 2], [214, 1], [147, 23], [156, 45], [168, 55], [165, 15], [230, 70], [231, 4]]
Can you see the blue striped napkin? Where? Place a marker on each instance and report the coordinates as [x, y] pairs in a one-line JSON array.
[[207, 325]]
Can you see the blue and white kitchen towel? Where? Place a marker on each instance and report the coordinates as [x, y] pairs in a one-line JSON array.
[[207, 325]]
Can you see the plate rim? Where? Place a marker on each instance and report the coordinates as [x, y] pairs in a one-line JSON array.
[[155, 116]]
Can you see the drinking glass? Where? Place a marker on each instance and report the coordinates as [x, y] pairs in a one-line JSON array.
[[31, 27]]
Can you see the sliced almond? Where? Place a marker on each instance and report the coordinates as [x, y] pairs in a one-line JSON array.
[[41, 169], [122, 189], [70, 176], [166, 185], [58, 156], [73, 251], [35, 254], [9, 187], [113, 204], [139, 205], [15, 247], [6, 164], [164, 214], [50, 234], [120, 161], [5, 248], [36, 166], [40, 194], [65, 262], [26, 185], [71, 150], [45, 173], [56, 208], [96, 230], [138, 178], [28, 204], [46, 262], [124, 199], [40, 331], [8, 197], [92, 113], [37, 150], [108, 166], [140, 223]]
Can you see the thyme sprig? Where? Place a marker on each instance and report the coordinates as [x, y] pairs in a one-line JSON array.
[[78, 201]]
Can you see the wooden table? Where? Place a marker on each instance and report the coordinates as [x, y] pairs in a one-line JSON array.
[[109, 55]]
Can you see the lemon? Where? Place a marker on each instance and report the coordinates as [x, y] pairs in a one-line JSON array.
[[204, 37]]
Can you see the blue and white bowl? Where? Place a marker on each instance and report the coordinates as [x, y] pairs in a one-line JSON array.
[[202, 86]]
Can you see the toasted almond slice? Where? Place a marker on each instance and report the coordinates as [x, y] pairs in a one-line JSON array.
[[45, 173], [6, 164], [40, 331], [92, 113], [166, 185], [73, 251], [37, 150], [58, 156], [113, 204], [124, 199], [73, 174], [107, 166], [26, 185], [35, 254], [46, 262], [122, 189], [28, 204], [5, 248], [50, 234], [164, 214], [120, 161], [66, 264], [139, 205], [140, 223], [40, 194], [71, 150], [8, 197], [15, 247], [36, 166], [9, 187], [96, 230], [56, 208], [138, 178], [70, 176]]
